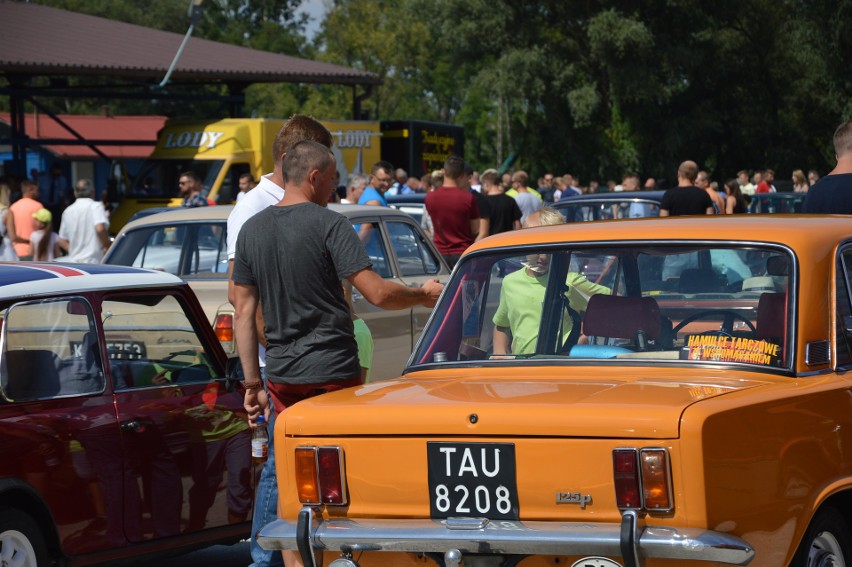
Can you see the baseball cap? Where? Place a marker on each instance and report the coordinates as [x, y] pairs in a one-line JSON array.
[[43, 215]]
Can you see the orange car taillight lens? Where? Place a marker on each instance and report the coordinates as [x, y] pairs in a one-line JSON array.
[[656, 485], [642, 479], [625, 465], [224, 327], [320, 478]]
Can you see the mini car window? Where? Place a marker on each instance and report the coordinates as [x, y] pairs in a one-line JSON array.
[[844, 309], [412, 254], [50, 349], [685, 304], [151, 342], [371, 236]]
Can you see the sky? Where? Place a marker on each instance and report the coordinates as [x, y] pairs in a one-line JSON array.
[[316, 9]]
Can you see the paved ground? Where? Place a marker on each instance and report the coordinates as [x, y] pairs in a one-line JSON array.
[[236, 555]]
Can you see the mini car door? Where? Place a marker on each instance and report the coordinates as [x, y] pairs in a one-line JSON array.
[[186, 460]]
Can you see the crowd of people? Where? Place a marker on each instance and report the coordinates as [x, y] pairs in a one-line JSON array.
[[463, 206]]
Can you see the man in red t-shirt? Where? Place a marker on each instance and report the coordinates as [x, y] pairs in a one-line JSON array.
[[454, 212], [765, 185]]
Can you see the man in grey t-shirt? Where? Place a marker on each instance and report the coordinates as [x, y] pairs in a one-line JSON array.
[[290, 259]]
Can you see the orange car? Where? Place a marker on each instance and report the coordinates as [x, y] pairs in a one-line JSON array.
[[636, 392]]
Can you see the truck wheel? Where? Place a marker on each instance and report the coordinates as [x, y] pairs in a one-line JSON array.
[[21, 542], [827, 543]]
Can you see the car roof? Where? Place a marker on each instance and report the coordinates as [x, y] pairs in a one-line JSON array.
[[800, 232], [221, 212], [409, 198], [612, 196], [32, 279]]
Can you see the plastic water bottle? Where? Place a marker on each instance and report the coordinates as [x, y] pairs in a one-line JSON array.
[[259, 440]]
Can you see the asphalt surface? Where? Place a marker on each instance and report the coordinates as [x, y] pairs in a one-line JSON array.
[[236, 555]]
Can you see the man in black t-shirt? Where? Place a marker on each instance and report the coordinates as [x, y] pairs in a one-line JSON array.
[[686, 198], [833, 193], [504, 210]]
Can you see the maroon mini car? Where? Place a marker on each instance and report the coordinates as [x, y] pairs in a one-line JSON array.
[[121, 435]]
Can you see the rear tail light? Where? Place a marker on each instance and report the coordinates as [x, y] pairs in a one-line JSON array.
[[656, 485], [625, 467], [307, 481], [224, 328], [320, 478], [642, 479]]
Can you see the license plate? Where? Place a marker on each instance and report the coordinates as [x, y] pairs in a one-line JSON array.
[[126, 350], [472, 480]]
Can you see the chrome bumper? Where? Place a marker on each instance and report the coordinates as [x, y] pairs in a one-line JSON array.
[[457, 536]]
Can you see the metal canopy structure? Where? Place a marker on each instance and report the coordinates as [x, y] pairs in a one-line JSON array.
[[39, 41]]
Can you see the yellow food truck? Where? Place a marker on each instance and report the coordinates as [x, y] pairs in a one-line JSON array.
[[220, 151]]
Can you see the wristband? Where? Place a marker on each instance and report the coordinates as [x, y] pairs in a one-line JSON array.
[[252, 385]]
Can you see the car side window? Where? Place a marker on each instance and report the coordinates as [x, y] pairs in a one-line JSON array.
[[50, 349], [206, 251], [412, 254], [156, 248], [370, 234], [151, 342], [844, 309]]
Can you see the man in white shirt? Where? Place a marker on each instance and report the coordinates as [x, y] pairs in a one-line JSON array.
[[83, 230]]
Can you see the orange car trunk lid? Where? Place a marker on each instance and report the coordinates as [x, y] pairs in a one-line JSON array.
[[601, 404]]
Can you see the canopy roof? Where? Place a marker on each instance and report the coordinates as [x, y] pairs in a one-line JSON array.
[[94, 128], [38, 40]]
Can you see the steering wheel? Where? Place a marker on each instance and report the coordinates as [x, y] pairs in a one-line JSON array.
[[727, 323]]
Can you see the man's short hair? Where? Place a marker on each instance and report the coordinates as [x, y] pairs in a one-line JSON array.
[[490, 177], [386, 165], [303, 157], [28, 184], [357, 181], [688, 170], [84, 189], [843, 138], [248, 176], [401, 174], [546, 216], [299, 127], [521, 177], [454, 167], [190, 174]]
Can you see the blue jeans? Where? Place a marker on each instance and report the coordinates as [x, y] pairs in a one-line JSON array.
[[265, 501]]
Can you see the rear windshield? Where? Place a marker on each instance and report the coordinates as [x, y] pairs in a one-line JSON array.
[[690, 304]]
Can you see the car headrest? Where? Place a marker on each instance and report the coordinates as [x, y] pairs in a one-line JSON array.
[[622, 317]]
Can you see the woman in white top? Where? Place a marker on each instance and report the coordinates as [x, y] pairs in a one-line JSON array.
[[44, 243]]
